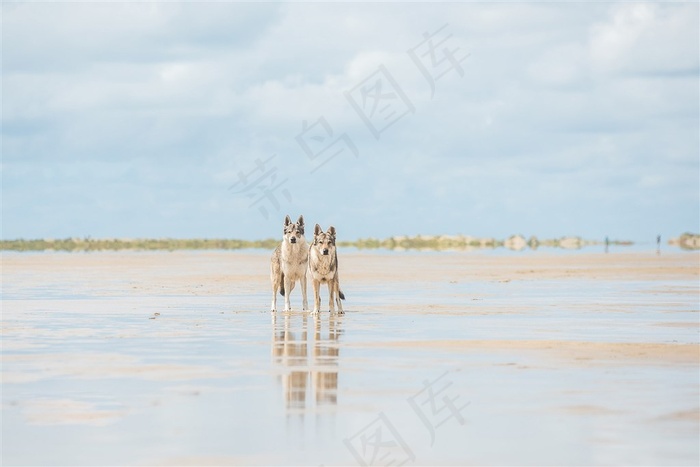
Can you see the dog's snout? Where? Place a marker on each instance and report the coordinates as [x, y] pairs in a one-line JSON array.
[[325, 251], [293, 240]]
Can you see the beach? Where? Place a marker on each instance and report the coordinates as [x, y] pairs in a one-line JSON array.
[[441, 358]]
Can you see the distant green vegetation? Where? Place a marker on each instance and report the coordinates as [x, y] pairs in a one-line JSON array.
[[420, 242], [464, 242], [89, 244]]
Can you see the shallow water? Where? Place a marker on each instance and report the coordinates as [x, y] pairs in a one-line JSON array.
[[178, 362]]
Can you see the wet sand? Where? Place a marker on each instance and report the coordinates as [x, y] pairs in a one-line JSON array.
[[470, 358]]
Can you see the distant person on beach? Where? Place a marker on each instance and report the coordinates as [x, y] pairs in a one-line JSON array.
[[658, 244], [607, 244]]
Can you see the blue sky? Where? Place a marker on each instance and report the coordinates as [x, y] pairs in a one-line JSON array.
[[162, 119]]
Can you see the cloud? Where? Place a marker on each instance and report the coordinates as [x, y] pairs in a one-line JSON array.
[[646, 38], [69, 37], [135, 119]]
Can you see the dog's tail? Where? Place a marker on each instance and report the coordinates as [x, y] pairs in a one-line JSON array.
[[342, 295], [282, 285]]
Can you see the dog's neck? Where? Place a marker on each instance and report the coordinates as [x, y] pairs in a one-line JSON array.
[[324, 264]]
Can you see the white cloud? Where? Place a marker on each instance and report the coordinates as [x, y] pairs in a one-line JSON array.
[[646, 38], [613, 39], [560, 103]]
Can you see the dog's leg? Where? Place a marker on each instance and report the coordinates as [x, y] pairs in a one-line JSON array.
[[304, 301], [273, 305], [317, 295], [288, 287], [275, 279], [338, 296], [331, 296]]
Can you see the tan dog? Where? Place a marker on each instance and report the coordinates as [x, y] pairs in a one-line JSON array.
[[289, 264], [323, 265]]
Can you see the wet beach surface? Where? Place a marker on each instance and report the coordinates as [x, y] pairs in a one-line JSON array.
[[155, 358]]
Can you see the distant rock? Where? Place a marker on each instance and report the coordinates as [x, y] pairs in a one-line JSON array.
[[515, 242], [570, 243], [687, 241]]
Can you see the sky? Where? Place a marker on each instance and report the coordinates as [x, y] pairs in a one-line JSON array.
[[216, 120]]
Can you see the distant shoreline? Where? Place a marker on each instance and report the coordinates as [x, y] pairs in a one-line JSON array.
[[419, 242]]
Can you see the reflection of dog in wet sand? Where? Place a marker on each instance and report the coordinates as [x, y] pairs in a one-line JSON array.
[[323, 265], [289, 264], [308, 355]]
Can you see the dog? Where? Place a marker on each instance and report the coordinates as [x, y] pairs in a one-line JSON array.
[[323, 265], [289, 264]]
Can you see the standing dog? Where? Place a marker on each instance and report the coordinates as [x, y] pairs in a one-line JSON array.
[[289, 264], [323, 264]]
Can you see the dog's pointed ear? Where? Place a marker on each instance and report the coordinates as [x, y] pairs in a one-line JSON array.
[[301, 221], [331, 231], [287, 221], [317, 230]]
